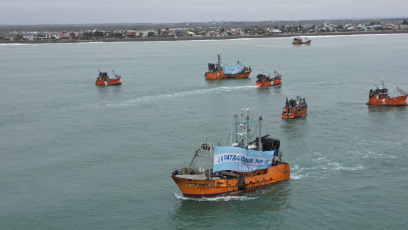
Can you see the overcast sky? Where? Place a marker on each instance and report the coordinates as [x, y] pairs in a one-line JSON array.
[[24, 12]]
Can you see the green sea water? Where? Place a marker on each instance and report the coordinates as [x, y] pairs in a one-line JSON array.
[[77, 156]]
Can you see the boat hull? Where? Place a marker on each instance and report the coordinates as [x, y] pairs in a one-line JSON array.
[[108, 82], [298, 42], [220, 75], [293, 114], [100, 82], [263, 84], [224, 187], [389, 101], [277, 82]]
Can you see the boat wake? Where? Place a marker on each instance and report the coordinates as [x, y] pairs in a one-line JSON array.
[[220, 198], [371, 149], [322, 168], [161, 97]]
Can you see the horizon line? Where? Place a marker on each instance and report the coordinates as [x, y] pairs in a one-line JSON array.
[[198, 22]]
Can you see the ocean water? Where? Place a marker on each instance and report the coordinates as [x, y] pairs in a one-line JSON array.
[[77, 156]]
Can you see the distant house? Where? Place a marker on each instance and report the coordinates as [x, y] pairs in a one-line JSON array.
[[54, 35], [350, 28], [361, 27], [377, 27], [179, 33], [30, 37], [171, 33], [131, 34]]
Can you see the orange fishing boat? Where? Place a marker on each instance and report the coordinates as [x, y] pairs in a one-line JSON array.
[[103, 79], [294, 108], [219, 71], [379, 96], [299, 41], [242, 167], [265, 80]]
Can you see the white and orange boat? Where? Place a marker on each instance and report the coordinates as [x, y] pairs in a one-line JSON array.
[[265, 80], [294, 108], [242, 167], [299, 41], [103, 79], [379, 96], [219, 71]]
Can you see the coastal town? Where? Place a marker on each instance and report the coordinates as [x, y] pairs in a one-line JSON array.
[[210, 30]]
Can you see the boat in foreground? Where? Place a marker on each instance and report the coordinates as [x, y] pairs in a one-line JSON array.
[[265, 80], [103, 79], [379, 96], [294, 108], [242, 167], [219, 71], [299, 41]]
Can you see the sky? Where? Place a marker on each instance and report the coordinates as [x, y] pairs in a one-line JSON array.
[[33, 12]]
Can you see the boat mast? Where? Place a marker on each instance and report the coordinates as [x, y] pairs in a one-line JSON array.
[[247, 129], [236, 127], [211, 160], [260, 147], [196, 154], [219, 61]]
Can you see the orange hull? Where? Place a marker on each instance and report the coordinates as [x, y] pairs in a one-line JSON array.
[[108, 82], [100, 82], [293, 113], [268, 83], [391, 101], [299, 42], [224, 187], [263, 84], [220, 75], [277, 82]]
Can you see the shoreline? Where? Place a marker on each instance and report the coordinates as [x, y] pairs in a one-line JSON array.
[[62, 41]]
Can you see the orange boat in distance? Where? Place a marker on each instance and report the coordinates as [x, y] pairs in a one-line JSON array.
[[299, 41], [242, 167], [103, 79], [265, 80], [219, 71], [294, 108], [380, 96]]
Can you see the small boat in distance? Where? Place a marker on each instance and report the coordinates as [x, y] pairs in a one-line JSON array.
[[294, 108], [242, 167], [379, 96], [265, 80], [219, 71], [298, 41], [103, 79]]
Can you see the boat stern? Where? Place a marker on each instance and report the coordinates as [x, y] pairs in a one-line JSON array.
[[200, 186], [215, 75]]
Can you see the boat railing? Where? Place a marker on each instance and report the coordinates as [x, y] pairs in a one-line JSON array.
[[402, 92]]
